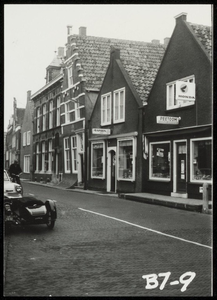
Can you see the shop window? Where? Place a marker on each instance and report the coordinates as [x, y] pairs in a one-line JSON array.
[[119, 106], [159, 162], [106, 109], [179, 95], [201, 160], [126, 160], [98, 157], [74, 154], [67, 155]]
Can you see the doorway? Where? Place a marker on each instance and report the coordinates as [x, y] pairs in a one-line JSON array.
[[111, 169]]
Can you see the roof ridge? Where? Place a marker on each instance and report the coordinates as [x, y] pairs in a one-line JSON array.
[[201, 25]]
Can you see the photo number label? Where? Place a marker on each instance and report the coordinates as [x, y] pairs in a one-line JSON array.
[[152, 282]]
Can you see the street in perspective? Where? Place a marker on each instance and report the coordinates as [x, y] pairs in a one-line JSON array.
[[102, 245]]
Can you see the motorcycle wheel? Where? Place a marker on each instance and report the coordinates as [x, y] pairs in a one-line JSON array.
[[50, 222]]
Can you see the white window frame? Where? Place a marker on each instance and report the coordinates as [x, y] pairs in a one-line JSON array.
[[44, 110], [119, 119], [50, 151], [26, 162], [37, 157], [171, 87], [70, 76], [24, 139], [51, 114], [150, 161], [134, 151], [74, 152], [58, 112], [43, 156], [66, 155], [105, 118], [191, 159], [103, 160], [7, 155], [28, 133], [38, 120], [13, 141]]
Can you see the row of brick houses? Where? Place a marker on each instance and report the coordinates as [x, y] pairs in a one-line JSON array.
[[124, 116]]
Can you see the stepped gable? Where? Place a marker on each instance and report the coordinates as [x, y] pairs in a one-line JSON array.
[[141, 60], [204, 35]]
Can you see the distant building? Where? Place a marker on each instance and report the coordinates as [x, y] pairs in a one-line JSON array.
[[177, 125], [13, 136]]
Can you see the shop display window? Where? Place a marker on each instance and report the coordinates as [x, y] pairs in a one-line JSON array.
[[160, 161], [201, 160], [126, 160], [98, 160]]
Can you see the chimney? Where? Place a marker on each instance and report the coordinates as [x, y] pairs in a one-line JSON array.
[[156, 42], [82, 31], [28, 95], [166, 41], [69, 30], [114, 53], [60, 51], [182, 16]]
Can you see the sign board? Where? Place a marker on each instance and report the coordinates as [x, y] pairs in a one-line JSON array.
[[185, 90], [101, 131], [168, 120]]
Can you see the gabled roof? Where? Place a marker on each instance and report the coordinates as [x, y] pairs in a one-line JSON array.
[[56, 62], [204, 36], [141, 61]]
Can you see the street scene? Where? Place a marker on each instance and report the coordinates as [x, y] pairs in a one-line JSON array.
[[108, 150], [102, 245]]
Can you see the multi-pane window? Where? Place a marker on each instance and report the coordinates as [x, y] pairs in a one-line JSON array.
[[50, 155], [201, 160], [97, 162], [38, 120], [159, 161], [74, 154], [70, 111], [126, 159], [37, 157], [58, 112], [26, 166], [181, 93], [43, 168], [119, 106], [28, 137], [51, 114], [44, 117], [70, 76], [67, 155], [106, 109], [24, 138]]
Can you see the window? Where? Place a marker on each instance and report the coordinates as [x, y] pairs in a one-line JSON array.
[[28, 137], [24, 138], [97, 162], [70, 76], [58, 112], [7, 155], [74, 154], [26, 164], [37, 157], [201, 160], [44, 117], [66, 155], [126, 159], [106, 109], [174, 100], [119, 106], [159, 161], [43, 157], [50, 155], [51, 114], [14, 141], [38, 120], [70, 111]]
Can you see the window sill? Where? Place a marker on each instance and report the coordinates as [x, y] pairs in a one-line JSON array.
[[160, 179]]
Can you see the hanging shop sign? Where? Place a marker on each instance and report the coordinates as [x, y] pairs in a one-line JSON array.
[[168, 120], [101, 131], [185, 90]]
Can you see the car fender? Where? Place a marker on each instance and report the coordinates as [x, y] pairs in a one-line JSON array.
[[51, 205]]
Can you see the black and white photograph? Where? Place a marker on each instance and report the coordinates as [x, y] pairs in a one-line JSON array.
[[108, 150]]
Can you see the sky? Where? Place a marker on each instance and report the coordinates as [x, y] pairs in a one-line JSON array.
[[32, 34]]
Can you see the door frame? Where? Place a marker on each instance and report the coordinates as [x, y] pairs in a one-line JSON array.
[[175, 193], [108, 185]]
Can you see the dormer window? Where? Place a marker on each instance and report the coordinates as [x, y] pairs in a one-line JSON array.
[[181, 93]]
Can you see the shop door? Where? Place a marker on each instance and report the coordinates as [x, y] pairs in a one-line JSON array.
[[113, 165], [181, 167]]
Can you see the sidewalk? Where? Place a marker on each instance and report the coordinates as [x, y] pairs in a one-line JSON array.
[[174, 202]]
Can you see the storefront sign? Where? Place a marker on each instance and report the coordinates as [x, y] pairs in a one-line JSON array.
[[185, 91], [168, 120], [101, 131]]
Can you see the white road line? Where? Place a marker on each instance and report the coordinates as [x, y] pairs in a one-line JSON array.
[[142, 227]]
